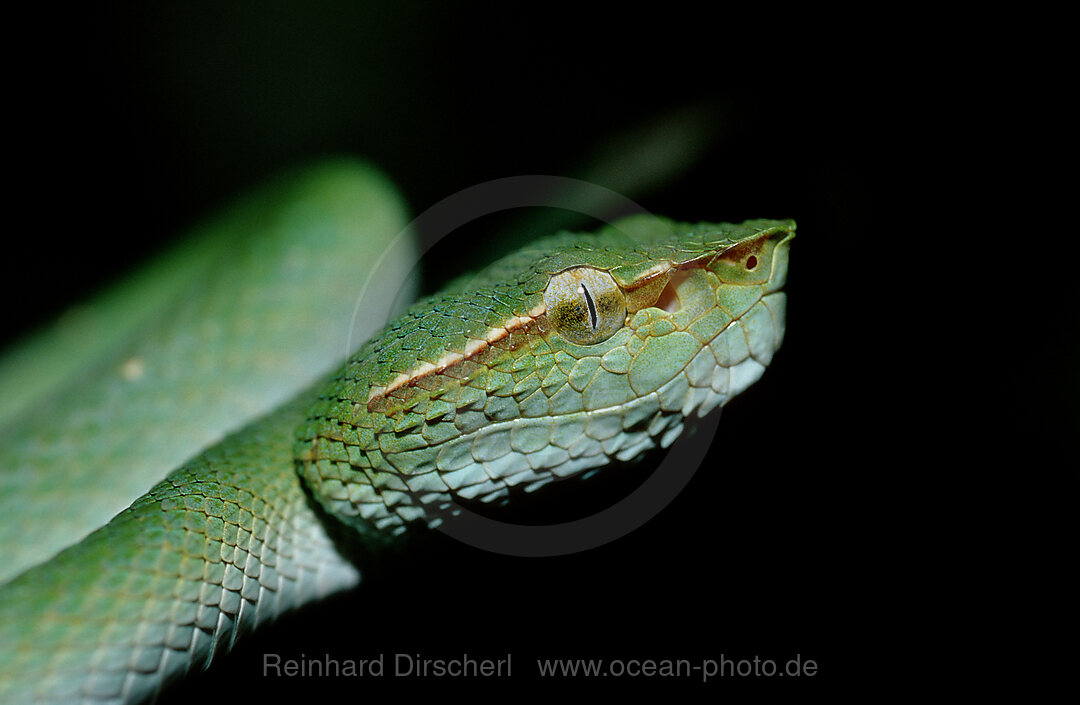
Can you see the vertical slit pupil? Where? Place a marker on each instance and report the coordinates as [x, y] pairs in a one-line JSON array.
[[592, 306]]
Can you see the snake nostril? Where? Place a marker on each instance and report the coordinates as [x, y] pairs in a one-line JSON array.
[[751, 262]]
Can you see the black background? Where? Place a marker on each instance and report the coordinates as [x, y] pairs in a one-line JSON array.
[[133, 123]]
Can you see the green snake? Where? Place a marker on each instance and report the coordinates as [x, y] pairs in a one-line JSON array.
[[574, 352]]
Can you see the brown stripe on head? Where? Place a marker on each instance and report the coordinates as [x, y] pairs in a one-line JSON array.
[[457, 368]]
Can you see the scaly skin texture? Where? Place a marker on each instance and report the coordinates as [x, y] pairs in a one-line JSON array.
[[225, 543], [474, 392], [122, 390], [470, 393]]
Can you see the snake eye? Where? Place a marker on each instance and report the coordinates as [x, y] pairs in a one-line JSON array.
[[585, 305]]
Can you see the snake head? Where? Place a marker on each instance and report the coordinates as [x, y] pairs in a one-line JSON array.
[[573, 353]]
